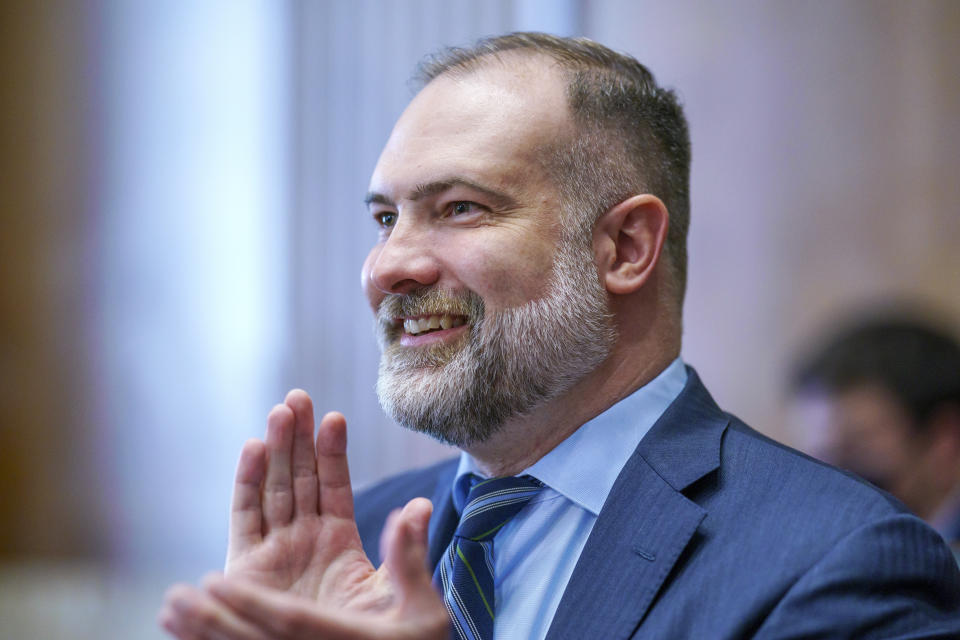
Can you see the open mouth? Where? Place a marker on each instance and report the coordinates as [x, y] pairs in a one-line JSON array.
[[427, 324]]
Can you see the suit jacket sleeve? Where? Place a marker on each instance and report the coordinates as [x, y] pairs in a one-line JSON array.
[[887, 579]]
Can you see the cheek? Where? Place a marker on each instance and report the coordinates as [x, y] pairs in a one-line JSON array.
[[510, 275]]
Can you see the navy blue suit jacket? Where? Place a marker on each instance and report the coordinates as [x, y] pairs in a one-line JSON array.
[[715, 531]]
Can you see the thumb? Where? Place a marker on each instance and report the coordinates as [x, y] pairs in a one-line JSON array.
[[404, 547]]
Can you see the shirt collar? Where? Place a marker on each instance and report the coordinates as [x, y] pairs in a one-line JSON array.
[[585, 465]]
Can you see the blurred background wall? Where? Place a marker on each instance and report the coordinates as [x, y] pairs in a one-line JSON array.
[[182, 232]]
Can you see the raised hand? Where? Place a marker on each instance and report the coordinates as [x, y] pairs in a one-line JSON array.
[[235, 609], [294, 554], [291, 523]]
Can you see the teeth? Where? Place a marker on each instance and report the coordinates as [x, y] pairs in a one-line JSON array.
[[415, 326]]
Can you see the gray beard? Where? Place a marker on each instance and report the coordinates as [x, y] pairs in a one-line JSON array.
[[508, 363]]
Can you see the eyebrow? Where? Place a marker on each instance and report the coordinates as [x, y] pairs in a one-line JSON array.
[[428, 189]]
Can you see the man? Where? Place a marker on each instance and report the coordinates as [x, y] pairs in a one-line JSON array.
[[528, 281], [882, 398]]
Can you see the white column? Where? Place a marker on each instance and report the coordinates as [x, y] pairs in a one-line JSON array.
[[193, 275]]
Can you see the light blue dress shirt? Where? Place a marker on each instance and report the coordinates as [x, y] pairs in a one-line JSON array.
[[535, 553]]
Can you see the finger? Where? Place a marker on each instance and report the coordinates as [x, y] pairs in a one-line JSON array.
[[185, 629], [282, 616], [246, 515], [199, 615], [193, 614], [405, 552], [417, 512], [277, 487], [388, 533], [305, 490], [336, 496], [173, 623], [277, 614], [422, 614]]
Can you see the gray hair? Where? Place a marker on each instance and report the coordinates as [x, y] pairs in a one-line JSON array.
[[631, 138]]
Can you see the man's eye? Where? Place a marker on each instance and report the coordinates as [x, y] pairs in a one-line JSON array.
[[463, 207], [386, 219]]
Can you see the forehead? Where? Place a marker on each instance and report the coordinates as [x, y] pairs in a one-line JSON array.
[[489, 125], [872, 404]]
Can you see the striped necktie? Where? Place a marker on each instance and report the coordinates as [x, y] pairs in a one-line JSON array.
[[465, 573]]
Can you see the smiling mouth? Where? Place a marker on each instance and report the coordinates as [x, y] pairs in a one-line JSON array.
[[427, 324]]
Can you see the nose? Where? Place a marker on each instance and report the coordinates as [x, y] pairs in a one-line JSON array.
[[401, 264]]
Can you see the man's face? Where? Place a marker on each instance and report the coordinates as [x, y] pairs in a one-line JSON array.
[[866, 430], [485, 309]]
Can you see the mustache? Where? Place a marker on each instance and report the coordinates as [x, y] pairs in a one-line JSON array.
[[430, 302]]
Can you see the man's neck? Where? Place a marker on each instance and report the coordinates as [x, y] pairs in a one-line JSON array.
[[524, 440]]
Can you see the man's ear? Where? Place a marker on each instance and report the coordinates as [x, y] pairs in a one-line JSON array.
[[628, 240]]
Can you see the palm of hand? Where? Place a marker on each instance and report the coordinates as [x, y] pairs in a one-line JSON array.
[[310, 557], [292, 525]]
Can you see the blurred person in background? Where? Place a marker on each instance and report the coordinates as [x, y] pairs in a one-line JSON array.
[[528, 280], [881, 398]]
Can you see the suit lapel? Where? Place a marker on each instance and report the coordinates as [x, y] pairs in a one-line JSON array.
[[645, 524]]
